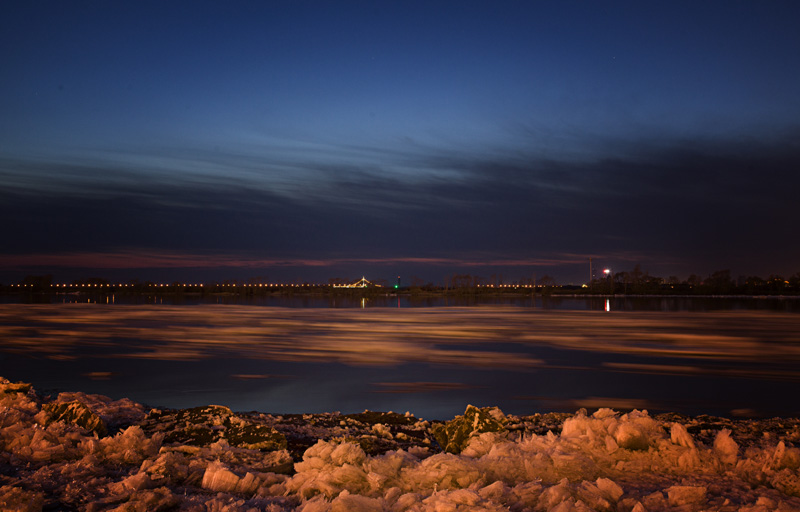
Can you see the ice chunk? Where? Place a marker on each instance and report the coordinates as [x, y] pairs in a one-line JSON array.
[[609, 489], [481, 444], [444, 471], [407, 501], [604, 412], [601, 495], [763, 501], [459, 500], [221, 479], [130, 446], [632, 431], [785, 457], [726, 449], [630, 437], [497, 491], [154, 500], [328, 468], [526, 494], [611, 445], [382, 430], [347, 502], [454, 435], [682, 495], [19, 500], [114, 413], [130, 484], [638, 507], [689, 460], [786, 481], [680, 436], [169, 466], [76, 413], [654, 501], [556, 494], [11, 388], [347, 453]]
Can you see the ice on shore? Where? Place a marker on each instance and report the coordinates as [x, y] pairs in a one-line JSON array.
[[606, 461]]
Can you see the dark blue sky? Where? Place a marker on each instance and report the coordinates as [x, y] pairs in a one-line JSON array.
[[316, 139]]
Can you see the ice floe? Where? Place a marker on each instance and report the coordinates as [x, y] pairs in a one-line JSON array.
[[55, 456]]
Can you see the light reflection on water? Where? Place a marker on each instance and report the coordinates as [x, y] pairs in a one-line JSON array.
[[429, 360], [535, 301]]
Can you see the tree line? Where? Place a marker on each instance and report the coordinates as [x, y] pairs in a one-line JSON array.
[[721, 282]]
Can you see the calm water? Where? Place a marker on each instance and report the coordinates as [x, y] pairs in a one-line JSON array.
[[680, 303], [727, 356]]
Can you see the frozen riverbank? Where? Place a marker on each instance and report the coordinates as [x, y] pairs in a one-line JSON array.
[[88, 452]]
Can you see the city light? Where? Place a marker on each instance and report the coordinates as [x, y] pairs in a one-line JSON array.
[[175, 286]]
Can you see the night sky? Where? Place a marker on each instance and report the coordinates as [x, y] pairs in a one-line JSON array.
[[307, 140]]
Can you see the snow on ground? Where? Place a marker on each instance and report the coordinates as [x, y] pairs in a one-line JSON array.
[[91, 453]]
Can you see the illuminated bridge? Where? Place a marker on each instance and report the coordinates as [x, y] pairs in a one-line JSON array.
[[361, 283]]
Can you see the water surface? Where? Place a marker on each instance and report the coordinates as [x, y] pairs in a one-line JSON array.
[[716, 357]]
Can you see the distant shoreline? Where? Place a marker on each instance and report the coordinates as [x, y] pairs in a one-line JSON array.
[[327, 290]]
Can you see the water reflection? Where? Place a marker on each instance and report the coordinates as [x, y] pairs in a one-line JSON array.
[[530, 301], [334, 355], [386, 337]]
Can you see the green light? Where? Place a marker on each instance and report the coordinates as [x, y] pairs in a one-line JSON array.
[[395, 286]]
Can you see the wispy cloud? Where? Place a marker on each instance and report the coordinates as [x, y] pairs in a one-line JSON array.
[[152, 259], [708, 204]]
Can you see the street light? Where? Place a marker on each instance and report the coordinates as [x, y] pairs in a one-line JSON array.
[[607, 272]]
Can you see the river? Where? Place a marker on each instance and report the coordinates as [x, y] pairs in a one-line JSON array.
[[432, 357]]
